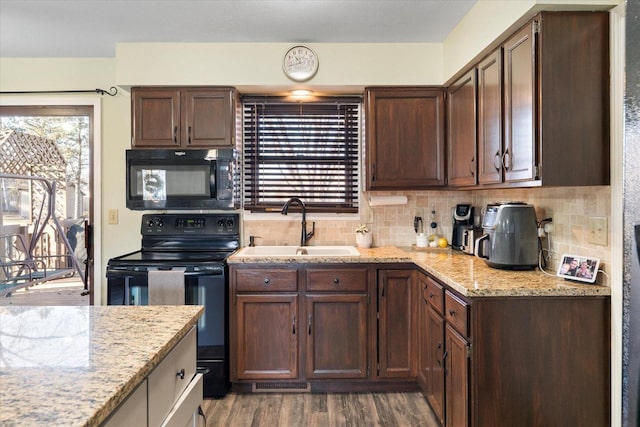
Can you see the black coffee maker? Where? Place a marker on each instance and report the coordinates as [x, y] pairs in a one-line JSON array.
[[462, 220]]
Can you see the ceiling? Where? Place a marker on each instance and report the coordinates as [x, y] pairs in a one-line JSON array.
[[91, 28]]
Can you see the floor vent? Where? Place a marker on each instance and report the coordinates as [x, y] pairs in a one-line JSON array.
[[281, 387]]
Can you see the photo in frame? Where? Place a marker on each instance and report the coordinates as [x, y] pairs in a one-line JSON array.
[[580, 268]]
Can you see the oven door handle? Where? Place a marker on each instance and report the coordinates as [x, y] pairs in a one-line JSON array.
[[215, 272], [194, 271], [122, 273]]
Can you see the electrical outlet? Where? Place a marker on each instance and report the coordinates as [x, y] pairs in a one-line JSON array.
[[598, 230], [113, 216]]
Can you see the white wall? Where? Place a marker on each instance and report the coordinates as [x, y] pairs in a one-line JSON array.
[[257, 67]]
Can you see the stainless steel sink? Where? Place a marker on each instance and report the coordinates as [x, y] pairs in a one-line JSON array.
[[298, 251]]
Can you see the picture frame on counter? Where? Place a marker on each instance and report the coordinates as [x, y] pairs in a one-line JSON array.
[[580, 268]]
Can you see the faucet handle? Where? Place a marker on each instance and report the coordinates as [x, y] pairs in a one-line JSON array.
[[252, 240]]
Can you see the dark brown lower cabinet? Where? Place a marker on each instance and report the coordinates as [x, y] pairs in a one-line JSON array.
[[299, 323], [514, 361], [541, 361], [434, 362], [267, 336], [336, 328], [456, 362], [397, 333]]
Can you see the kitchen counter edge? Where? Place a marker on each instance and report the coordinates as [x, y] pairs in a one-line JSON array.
[[465, 274]]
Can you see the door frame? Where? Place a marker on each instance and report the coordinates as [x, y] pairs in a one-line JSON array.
[[96, 215]]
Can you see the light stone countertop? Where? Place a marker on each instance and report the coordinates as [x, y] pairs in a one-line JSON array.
[[72, 366], [466, 274]]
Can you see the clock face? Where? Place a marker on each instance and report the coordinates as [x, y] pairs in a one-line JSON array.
[[300, 63]]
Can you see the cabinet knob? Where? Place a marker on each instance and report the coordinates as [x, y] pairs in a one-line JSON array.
[[266, 281], [431, 295], [452, 313], [336, 280], [180, 374]]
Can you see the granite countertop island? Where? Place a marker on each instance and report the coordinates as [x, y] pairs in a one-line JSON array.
[[466, 274], [73, 366]]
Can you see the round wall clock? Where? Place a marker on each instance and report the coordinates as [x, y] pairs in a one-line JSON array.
[[300, 63]]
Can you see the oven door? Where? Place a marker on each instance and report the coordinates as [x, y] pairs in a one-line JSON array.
[[207, 288]]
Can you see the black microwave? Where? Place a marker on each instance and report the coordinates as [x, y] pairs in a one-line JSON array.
[[182, 179]]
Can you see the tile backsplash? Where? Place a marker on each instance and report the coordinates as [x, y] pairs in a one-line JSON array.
[[392, 225]]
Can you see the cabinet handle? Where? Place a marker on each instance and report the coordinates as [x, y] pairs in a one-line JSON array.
[[180, 374], [336, 280], [309, 324], [267, 281], [382, 290], [506, 160], [294, 324], [438, 348], [452, 313], [431, 295], [444, 358], [175, 135], [189, 134], [497, 161], [373, 172], [472, 165]]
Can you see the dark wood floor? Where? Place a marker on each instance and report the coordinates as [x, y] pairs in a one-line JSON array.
[[322, 410]]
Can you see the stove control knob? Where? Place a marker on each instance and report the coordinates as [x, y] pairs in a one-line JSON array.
[[221, 223], [159, 222], [150, 223], [229, 223]]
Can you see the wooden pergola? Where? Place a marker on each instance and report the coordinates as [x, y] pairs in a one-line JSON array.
[[30, 155]]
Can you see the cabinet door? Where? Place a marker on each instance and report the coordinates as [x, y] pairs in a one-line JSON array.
[[434, 363], [208, 118], [423, 331], [519, 156], [396, 324], [155, 118], [462, 131], [457, 379], [405, 138], [490, 119], [336, 336], [266, 336]]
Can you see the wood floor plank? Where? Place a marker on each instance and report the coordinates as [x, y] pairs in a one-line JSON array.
[[321, 410]]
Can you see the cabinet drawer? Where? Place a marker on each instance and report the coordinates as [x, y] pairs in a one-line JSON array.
[[185, 409], [171, 377], [133, 411], [271, 280], [352, 279], [434, 293], [456, 313]]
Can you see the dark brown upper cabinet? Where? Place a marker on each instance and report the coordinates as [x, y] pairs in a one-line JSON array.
[[168, 117], [542, 106], [572, 98], [518, 159], [461, 131], [490, 119], [405, 138]]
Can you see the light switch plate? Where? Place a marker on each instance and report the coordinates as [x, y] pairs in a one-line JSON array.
[[113, 216], [598, 230]]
